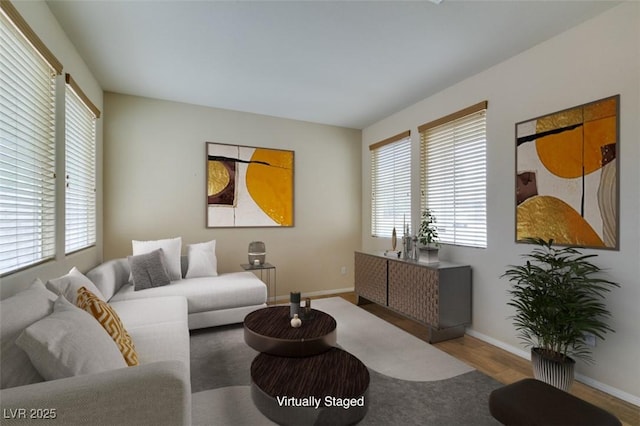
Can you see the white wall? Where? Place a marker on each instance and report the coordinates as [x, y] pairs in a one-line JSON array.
[[155, 187], [40, 19], [597, 59]]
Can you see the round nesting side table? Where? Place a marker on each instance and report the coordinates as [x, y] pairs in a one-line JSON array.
[[300, 377], [267, 330], [326, 389]]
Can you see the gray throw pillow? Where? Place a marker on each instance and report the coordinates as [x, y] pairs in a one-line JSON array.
[[149, 270]]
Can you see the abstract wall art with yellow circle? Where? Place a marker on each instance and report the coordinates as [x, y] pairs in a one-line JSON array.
[[567, 176], [249, 186]]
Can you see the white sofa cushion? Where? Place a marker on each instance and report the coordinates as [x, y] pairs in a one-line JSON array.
[[135, 313], [158, 327], [68, 285], [69, 342], [202, 260], [165, 342], [225, 291], [17, 313], [172, 248]]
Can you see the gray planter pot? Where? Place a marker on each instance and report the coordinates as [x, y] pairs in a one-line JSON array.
[[428, 254], [556, 373]]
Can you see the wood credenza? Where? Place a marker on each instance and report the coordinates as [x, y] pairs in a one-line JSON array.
[[437, 295]]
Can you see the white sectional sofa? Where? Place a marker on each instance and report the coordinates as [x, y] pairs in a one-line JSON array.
[[155, 392], [214, 300]]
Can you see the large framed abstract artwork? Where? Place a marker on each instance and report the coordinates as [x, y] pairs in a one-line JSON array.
[[249, 186], [567, 176]]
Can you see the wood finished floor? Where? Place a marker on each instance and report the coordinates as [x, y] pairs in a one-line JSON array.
[[499, 364]]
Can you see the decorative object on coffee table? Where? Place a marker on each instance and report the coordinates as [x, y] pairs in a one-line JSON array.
[[294, 303], [296, 322], [306, 313]]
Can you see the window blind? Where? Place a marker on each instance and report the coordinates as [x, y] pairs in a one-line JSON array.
[[453, 176], [390, 185], [27, 150], [80, 169]]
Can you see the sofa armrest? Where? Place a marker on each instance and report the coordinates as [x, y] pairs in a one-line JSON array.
[[158, 393]]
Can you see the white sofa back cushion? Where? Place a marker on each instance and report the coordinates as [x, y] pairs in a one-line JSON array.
[[17, 313], [172, 249], [110, 276], [202, 260], [69, 342]]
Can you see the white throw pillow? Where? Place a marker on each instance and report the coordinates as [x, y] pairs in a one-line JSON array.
[[172, 249], [69, 342], [202, 260], [68, 285], [17, 313]]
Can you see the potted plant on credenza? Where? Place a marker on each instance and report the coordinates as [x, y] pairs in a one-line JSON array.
[[428, 236], [558, 295]]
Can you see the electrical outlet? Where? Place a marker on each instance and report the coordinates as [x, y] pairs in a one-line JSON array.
[[590, 340], [343, 270]]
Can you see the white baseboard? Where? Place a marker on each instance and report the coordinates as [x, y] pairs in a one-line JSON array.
[[318, 293], [632, 399], [625, 396], [511, 349]]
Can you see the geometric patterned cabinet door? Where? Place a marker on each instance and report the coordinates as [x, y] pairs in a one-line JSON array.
[[414, 291], [371, 278], [437, 295]]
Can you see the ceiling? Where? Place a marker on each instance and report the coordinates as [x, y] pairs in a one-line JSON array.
[[344, 63]]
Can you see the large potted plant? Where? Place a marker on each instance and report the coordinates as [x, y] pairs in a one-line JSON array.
[[558, 295], [428, 236]]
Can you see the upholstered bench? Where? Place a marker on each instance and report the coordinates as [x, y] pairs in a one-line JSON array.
[[532, 402]]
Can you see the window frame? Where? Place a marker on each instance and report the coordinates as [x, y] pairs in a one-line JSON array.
[[27, 145], [397, 170], [463, 132], [80, 169]]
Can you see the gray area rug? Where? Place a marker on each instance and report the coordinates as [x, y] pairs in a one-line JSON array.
[[220, 381]]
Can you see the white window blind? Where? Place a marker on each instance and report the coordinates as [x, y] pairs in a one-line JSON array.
[[453, 175], [390, 185], [80, 169], [27, 147]]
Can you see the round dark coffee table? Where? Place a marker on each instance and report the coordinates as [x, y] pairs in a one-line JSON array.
[[326, 389], [300, 377], [269, 330]]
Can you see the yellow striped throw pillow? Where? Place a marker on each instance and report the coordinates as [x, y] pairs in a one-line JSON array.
[[111, 322]]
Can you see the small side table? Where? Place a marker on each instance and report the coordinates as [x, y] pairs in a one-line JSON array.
[[262, 268]]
